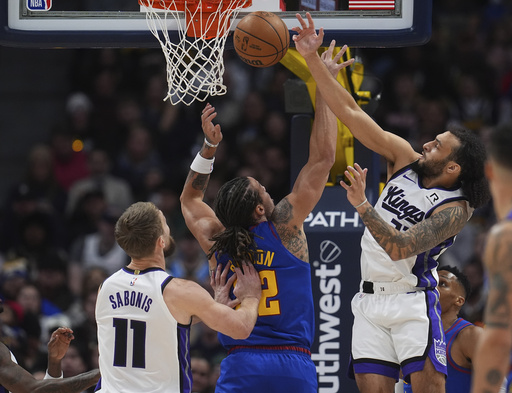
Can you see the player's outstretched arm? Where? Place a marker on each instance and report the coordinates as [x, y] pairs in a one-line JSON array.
[[491, 361], [311, 180], [17, 380], [446, 221], [394, 149], [186, 299], [199, 217]]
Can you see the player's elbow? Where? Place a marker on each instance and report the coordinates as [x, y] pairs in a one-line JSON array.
[[325, 162]]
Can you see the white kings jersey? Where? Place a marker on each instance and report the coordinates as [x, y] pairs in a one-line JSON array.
[[402, 204], [142, 347]]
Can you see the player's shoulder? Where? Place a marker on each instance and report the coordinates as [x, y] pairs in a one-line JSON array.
[[181, 286], [470, 332]]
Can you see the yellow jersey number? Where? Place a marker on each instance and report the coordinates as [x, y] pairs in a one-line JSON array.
[[269, 290]]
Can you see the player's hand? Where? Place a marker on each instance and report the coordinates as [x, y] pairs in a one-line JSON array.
[[59, 343], [248, 283], [221, 287], [307, 41], [356, 189], [331, 62], [212, 132]]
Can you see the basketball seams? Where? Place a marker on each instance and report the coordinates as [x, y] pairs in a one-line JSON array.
[[261, 39]]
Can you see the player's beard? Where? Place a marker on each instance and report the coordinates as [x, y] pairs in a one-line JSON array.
[[429, 169], [170, 245]]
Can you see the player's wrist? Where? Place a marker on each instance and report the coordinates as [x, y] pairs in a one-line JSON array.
[[207, 143], [361, 204], [202, 164]]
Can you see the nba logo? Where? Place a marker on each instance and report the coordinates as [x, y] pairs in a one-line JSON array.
[[39, 5]]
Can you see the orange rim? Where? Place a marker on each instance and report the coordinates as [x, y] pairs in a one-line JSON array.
[[198, 26]]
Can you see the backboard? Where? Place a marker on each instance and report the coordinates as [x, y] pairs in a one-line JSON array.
[[121, 23]]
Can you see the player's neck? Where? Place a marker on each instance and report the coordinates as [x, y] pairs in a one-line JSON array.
[[448, 320], [146, 263], [444, 181]]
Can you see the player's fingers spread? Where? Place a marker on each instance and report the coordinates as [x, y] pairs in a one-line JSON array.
[[358, 167], [231, 280], [301, 20], [321, 33], [249, 268], [330, 50], [344, 185], [310, 20], [352, 170]]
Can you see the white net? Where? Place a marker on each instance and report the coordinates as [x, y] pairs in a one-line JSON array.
[[195, 65]]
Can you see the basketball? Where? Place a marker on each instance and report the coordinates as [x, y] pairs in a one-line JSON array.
[[261, 39]]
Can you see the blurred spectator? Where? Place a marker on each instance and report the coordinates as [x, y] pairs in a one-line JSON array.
[[207, 344], [84, 325], [472, 109], [399, 111], [75, 361], [40, 179], [69, 161], [39, 237], [19, 205], [167, 198], [86, 215], [189, 261], [97, 249], [252, 120], [79, 111], [35, 307], [52, 282], [116, 190], [14, 274], [473, 309], [137, 159], [201, 371]]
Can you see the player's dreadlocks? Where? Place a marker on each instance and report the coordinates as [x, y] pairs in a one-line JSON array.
[[234, 207]]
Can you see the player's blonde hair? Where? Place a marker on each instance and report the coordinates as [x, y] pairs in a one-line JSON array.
[[138, 229]]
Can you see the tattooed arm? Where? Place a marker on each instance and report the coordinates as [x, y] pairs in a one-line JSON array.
[[17, 380], [445, 222], [491, 361], [199, 217]]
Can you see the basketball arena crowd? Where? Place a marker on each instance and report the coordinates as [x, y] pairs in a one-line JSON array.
[[116, 142]]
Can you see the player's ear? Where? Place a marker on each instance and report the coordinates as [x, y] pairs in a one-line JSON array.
[[161, 241], [259, 211], [460, 301], [453, 168]]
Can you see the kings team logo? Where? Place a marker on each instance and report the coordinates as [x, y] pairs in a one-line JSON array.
[[39, 5]]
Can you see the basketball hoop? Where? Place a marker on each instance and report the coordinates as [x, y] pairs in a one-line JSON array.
[[195, 65]]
